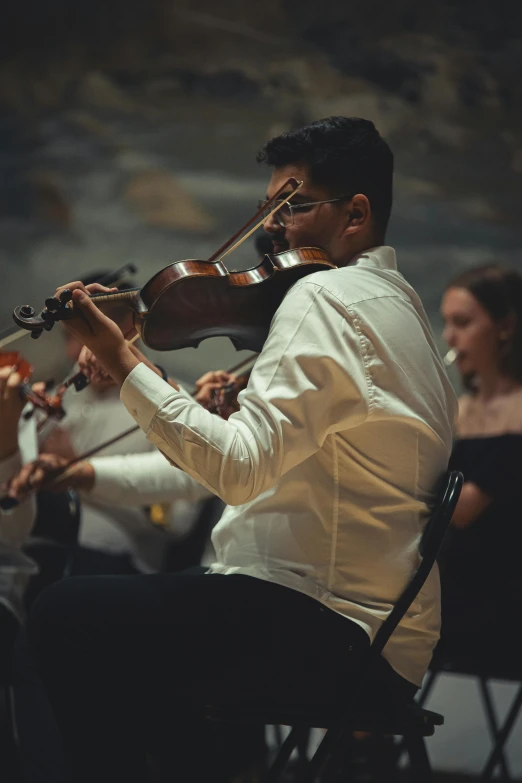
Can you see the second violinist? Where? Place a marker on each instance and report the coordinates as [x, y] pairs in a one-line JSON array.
[[328, 468]]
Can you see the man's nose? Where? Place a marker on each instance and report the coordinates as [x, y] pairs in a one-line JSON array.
[[272, 225]]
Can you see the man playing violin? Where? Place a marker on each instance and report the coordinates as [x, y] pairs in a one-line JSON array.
[[328, 468]]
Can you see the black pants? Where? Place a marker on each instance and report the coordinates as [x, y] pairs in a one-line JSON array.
[[9, 627], [130, 662], [94, 562], [9, 763], [40, 742]]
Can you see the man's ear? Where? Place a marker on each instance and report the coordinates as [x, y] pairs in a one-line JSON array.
[[358, 214]]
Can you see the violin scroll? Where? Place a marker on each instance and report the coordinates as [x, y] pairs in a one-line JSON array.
[[54, 310]]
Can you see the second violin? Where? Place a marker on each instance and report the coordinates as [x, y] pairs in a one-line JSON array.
[[51, 406]]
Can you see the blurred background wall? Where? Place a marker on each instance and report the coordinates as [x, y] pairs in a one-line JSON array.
[[128, 133]]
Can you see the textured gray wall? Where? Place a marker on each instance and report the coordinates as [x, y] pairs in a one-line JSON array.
[[128, 134]]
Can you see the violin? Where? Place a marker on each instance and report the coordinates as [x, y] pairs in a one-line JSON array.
[[51, 405], [189, 301], [54, 406], [223, 401]]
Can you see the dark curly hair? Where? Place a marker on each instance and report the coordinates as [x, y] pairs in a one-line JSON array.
[[347, 155], [498, 289]]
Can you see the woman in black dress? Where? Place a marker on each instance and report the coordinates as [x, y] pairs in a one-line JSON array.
[[481, 568]]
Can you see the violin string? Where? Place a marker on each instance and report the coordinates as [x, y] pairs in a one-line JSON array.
[[113, 297]]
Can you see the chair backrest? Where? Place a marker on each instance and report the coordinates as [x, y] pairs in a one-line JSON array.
[[53, 540], [57, 518], [429, 548]]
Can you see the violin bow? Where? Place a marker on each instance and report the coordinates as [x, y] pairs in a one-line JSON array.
[[7, 503], [243, 364], [78, 380], [10, 336], [231, 244]]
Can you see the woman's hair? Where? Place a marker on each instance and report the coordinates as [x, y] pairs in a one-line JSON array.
[[498, 289]]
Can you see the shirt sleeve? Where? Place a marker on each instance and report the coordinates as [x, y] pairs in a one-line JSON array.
[[309, 381], [16, 524], [140, 479]]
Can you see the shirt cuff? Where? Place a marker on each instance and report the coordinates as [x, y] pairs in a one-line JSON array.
[[143, 392], [107, 479]]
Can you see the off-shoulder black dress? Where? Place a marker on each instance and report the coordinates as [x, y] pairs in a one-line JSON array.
[[481, 566]]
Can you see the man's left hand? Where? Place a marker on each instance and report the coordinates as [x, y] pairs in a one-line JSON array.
[[101, 335]]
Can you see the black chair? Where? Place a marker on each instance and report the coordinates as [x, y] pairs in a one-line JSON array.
[[51, 547], [53, 540], [411, 721], [484, 670]]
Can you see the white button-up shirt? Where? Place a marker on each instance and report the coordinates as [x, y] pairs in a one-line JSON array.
[[330, 465], [123, 483]]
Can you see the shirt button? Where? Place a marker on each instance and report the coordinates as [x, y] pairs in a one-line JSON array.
[[86, 411]]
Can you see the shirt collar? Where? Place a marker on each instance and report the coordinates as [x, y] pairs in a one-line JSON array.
[[381, 257]]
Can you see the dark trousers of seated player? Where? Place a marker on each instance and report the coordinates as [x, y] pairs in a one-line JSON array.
[[130, 661]]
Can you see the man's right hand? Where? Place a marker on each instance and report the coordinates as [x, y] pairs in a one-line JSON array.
[[11, 405], [44, 473], [90, 366], [210, 383]]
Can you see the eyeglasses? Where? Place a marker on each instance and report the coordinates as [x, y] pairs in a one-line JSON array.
[[285, 214]]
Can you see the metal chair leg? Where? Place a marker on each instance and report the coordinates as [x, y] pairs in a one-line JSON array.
[[428, 687], [278, 735], [303, 744], [337, 760], [493, 725], [283, 754], [327, 746], [502, 737], [420, 769], [421, 701]]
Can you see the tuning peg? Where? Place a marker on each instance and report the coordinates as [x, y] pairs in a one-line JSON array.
[[66, 296], [36, 334], [80, 382], [53, 304]]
